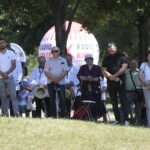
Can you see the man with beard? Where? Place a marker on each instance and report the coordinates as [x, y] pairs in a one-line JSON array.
[[7, 65]]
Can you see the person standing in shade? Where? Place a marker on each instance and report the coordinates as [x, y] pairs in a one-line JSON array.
[[113, 67], [56, 69], [71, 80], [133, 83], [7, 65], [38, 78], [103, 84], [17, 74], [144, 76]]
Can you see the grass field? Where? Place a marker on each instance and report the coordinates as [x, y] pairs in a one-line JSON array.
[[65, 134]]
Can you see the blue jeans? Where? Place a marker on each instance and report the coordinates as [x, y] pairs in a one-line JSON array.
[[60, 89], [10, 85]]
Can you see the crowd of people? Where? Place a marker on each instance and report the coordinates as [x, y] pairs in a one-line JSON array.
[[66, 86]]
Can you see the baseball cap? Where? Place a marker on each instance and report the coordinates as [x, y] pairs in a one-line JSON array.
[[88, 56]]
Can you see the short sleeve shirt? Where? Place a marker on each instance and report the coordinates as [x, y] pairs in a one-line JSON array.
[[144, 67], [56, 67], [129, 83], [5, 61], [38, 76], [114, 62]]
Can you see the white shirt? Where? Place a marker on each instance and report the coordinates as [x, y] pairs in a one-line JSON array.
[[5, 61], [72, 76], [17, 74], [56, 67], [146, 68], [103, 83], [37, 76]]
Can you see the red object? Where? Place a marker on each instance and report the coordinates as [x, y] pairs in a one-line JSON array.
[[80, 113], [143, 102]]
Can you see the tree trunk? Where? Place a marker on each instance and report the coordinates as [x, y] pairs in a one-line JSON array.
[[143, 37], [59, 23], [59, 9]]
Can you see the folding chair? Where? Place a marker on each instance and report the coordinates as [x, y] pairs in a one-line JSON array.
[[88, 106]]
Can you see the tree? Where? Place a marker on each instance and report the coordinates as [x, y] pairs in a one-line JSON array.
[[137, 12], [59, 8], [32, 12], [24, 18], [133, 12], [24, 22]]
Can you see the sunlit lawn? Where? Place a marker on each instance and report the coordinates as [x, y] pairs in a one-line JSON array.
[[65, 134]]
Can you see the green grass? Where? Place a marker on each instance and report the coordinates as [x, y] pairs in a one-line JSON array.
[[64, 134]]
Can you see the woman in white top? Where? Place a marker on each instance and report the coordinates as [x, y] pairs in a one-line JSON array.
[[103, 84], [144, 76]]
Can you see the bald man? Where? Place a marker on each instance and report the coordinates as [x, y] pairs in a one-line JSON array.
[[133, 83], [38, 78]]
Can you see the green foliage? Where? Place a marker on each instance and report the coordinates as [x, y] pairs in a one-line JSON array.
[[32, 61], [25, 22], [124, 35]]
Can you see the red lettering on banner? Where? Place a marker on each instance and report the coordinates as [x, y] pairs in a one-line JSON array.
[[82, 55], [46, 55]]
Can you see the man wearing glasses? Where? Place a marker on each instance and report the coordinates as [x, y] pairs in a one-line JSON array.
[[55, 69]]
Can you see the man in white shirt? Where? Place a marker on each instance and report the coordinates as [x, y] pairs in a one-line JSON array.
[[17, 74], [7, 65], [38, 78], [71, 79], [55, 70]]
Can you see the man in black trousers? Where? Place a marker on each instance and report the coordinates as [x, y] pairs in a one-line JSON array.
[[114, 67]]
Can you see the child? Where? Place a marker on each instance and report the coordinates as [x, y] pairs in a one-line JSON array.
[[24, 96], [103, 84]]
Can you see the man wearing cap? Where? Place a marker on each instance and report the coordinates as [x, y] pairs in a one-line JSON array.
[[90, 76], [55, 69], [71, 79], [114, 67]]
